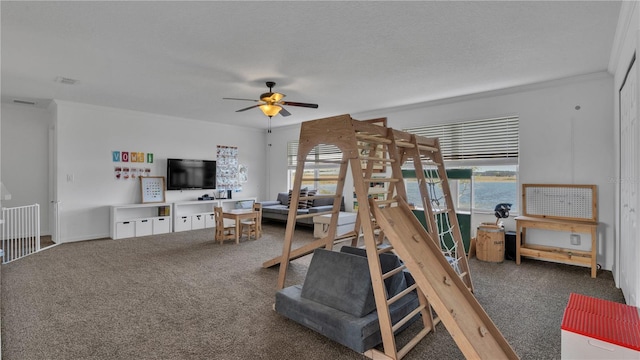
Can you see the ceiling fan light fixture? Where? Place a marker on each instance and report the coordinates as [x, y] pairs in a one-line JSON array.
[[270, 110]]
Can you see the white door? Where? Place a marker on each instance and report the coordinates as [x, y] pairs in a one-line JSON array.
[[629, 184]]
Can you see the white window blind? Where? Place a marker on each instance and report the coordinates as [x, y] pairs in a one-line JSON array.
[[475, 140], [319, 152]]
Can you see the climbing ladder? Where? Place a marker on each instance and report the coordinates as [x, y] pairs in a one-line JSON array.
[[432, 176], [367, 146]]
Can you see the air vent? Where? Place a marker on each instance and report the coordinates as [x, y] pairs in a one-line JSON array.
[[66, 80], [23, 102]]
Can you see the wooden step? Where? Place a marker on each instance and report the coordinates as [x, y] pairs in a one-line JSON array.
[[318, 161], [393, 272], [406, 319], [372, 138], [323, 179], [376, 159], [385, 202], [385, 249], [313, 197], [391, 180], [402, 294]]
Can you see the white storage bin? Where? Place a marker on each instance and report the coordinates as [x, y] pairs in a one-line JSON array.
[[599, 329], [144, 227], [583, 347], [162, 225], [125, 229], [183, 223], [210, 220], [197, 221]]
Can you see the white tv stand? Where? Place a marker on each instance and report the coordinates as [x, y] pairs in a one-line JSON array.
[[139, 220], [192, 215], [133, 220], [198, 214]]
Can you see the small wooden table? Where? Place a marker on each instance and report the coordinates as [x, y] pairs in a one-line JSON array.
[[238, 215], [557, 253]]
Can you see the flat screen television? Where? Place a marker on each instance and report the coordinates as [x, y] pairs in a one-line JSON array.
[[183, 174]]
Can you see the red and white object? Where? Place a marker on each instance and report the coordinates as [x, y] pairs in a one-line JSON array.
[[600, 329]]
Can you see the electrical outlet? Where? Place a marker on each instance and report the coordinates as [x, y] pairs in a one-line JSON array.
[[575, 239]]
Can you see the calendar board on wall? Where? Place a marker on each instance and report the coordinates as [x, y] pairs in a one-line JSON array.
[[560, 201], [152, 189]]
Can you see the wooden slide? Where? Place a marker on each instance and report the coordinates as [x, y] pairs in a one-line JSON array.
[[467, 322]]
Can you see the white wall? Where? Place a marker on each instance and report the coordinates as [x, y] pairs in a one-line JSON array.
[[277, 158], [25, 144], [87, 135], [558, 144]]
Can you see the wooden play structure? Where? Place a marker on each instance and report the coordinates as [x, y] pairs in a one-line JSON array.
[[387, 224]]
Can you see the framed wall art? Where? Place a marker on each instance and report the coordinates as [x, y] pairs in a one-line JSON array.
[[152, 189]]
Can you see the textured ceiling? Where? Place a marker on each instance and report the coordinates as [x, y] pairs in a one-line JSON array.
[[180, 58]]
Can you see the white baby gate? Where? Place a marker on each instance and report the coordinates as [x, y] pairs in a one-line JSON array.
[[20, 231]]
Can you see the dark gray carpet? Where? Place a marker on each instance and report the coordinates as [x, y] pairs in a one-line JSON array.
[[183, 296]]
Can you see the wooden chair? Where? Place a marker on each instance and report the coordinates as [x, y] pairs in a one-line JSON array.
[[253, 226], [223, 232]]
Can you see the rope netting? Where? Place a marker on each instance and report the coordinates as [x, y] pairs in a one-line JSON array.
[[444, 228]]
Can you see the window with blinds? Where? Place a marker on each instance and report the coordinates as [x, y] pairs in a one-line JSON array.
[[326, 158], [322, 152], [475, 140]]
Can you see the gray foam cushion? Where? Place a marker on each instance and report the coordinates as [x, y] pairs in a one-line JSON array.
[[395, 284], [357, 333], [340, 281]]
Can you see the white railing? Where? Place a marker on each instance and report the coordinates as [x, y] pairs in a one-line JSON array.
[[20, 231]]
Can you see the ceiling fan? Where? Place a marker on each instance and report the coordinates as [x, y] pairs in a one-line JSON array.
[[271, 103]]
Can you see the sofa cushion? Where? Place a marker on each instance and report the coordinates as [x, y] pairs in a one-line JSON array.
[[340, 281], [323, 202], [276, 209], [395, 284], [283, 198], [269, 203]]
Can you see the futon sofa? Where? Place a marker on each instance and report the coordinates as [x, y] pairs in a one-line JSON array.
[[337, 301], [279, 209]]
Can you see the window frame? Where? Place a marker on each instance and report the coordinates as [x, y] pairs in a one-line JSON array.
[[452, 138]]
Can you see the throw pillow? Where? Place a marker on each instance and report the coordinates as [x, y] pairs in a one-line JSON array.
[[303, 192], [310, 201], [302, 204]]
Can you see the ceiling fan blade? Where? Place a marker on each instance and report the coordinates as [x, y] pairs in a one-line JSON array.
[[240, 99], [284, 112], [247, 108], [291, 103]]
